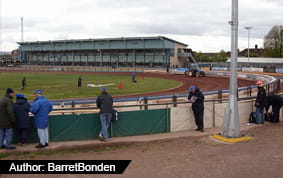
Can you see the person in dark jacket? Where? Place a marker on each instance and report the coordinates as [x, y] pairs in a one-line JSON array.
[[40, 108], [197, 98], [260, 103], [105, 103], [7, 119], [23, 122], [168, 68], [80, 80], [24, 83], [134, 77], [276, 102]]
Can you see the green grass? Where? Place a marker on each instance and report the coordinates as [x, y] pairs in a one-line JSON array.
[[64, 86]]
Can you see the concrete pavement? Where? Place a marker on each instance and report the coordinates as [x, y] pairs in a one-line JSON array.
[[119, 141]]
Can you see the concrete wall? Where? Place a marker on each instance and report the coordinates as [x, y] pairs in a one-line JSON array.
[[182, 117], [174, 59]]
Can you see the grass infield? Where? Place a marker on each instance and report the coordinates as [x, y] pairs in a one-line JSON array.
[[64, 86]]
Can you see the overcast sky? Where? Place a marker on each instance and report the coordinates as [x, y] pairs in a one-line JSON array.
[[202, 24]]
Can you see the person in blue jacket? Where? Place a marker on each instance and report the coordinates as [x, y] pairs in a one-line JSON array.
[[41, 108], [197, 98], [23, 122]]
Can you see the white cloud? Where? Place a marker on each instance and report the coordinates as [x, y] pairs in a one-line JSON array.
[[202, 24]]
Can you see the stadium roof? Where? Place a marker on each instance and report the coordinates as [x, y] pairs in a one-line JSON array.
[[103, 39], [258, 60]]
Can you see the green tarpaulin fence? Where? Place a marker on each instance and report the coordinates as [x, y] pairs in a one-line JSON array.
[[141, 123], [87, 126]]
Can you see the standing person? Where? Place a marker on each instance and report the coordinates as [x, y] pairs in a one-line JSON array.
[[41, 108], [197, 98], [24, 83], [23, 122], [276, 102], [260, 103], [168, 68], [105, 103], [80, 80], [7, 119], [134, 77]]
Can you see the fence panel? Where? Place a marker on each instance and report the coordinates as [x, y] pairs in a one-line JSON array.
[[74, 127], [141, 123]]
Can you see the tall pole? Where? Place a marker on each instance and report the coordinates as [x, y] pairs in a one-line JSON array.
[[231, 125], [22, 29], [0, 29], [281, 40], [248, 28]]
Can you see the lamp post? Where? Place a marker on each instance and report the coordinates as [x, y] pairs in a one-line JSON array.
[[281, 41], [231, 125], [248, 28], [0, 29], [22, 29]]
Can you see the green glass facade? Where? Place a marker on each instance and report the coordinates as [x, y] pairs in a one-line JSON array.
[[146, 51]]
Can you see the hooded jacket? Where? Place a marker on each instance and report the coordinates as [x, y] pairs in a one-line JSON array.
[[21, 108], [41, 108], [198, 103], [7, 115], [261, 98]]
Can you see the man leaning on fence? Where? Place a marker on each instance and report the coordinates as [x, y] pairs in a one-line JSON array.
[[41, 107], [105, 103]]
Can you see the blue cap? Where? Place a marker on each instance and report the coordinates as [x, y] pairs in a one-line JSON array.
[[103, 89], [191, 88], [9, 90], [20, 95], [38, 91]]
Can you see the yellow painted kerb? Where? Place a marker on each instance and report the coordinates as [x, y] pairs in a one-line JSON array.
[[231, 140]]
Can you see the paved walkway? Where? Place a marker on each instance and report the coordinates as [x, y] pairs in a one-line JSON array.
[[119, 141]]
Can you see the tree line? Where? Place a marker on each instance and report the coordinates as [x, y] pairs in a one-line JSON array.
[[273, 48]]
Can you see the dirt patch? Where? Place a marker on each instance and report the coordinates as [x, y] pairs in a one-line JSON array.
[[195, 157]]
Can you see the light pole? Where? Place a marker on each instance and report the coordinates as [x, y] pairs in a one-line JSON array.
[[22, 29], [231, 125], [248, 28], [0, 29], [281, 41]]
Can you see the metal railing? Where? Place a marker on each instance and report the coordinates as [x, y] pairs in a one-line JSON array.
[[167, 106]]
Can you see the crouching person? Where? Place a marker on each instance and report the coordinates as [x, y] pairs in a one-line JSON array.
[[276, 102], [41, 108], [105, 103], [23, 122]]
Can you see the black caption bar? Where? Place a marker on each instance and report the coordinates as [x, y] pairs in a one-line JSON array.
[[63, 166]]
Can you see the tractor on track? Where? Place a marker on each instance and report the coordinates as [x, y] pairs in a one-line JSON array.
[[192, 69]]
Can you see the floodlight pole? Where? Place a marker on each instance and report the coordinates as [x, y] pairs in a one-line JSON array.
[[231, 125], [22, 29], [248, 28]]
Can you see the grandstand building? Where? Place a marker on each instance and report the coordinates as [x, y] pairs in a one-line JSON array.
[[134, 51]]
